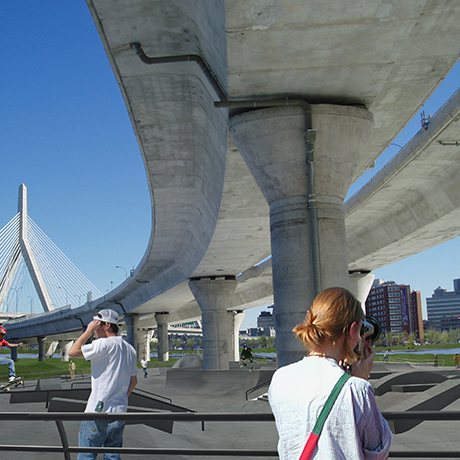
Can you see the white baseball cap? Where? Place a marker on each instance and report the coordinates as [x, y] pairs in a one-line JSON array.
[[107, 316]]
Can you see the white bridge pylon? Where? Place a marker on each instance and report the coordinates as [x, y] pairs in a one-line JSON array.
[[26, 250]]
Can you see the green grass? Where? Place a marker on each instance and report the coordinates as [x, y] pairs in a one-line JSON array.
[[420, 347], [31, 368], [443, 360]]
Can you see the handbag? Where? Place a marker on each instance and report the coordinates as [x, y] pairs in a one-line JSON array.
[[312, 440]]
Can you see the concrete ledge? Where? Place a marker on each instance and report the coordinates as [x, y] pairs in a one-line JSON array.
[[385, 384], [215, 382], [412, 387], [434, 399], [153, 371], [49, 384]]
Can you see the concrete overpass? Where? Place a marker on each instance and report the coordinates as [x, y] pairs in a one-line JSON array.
[[351, 78]]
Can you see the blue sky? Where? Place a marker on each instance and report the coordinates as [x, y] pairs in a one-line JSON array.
[[66, 134]]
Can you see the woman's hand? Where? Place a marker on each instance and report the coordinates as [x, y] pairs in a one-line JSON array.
[[363, 367]]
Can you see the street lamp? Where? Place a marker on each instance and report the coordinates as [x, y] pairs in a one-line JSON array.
[[78, 296], [66, 295], [126, 272], [17, 294], [31, 303]]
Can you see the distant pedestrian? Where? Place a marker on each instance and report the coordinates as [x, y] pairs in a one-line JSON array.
[[72, 368], [144, 364], [456, 360], [386, 356], [435, 360]]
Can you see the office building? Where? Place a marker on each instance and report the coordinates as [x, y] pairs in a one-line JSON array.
[[443, 308], [396, 307]]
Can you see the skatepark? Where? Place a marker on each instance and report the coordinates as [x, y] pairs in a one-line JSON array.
[[193, 391]]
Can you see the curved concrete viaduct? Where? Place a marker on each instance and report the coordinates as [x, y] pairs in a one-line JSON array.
[[351, 78]]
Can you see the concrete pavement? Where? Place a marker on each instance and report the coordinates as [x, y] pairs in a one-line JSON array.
[[427, 436]]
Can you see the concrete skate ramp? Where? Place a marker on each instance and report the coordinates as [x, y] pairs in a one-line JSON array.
[[434, 399], [385, 384], [400, 367], [379, 367], [215, 382], [189, 362]]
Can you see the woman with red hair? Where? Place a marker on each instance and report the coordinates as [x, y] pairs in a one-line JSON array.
[[354, 428]]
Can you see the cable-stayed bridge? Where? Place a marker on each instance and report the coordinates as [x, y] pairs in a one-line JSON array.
[[35, 275]]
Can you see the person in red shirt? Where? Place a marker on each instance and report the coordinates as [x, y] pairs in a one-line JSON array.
[[8, 361]]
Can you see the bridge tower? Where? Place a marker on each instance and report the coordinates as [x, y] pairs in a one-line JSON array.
[[56, 281], [24, 249]]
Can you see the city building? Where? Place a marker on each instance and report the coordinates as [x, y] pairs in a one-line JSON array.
[[443, 308], [265, 326], [396, 307]]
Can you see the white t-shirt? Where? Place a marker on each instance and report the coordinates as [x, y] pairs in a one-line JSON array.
[[355, 428], [113, 363]]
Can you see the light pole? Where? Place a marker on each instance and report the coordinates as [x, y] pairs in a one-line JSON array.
[[126, 272], [66, 295], [79, 298], [17, 294], [31, 303]]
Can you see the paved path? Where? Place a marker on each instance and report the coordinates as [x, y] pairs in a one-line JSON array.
[[258, 435]]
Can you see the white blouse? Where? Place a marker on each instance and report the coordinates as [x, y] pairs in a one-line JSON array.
[[355, 428]]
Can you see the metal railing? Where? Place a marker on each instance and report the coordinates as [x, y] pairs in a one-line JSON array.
[[139, 417], [426, 362], [266, 383]]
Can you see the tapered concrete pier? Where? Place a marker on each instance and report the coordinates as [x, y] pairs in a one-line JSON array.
[[213, 296], [308, 248]]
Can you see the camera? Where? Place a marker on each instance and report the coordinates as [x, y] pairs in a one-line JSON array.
[[370, 329]]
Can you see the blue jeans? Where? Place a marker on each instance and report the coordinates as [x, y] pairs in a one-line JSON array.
[[100, 434], [10, 362]]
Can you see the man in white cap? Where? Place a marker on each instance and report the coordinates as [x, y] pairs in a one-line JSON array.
[[113, 377]]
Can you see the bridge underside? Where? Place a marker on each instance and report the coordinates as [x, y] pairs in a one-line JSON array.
[[210, 219]]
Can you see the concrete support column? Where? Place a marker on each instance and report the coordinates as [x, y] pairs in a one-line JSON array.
[[360, 285], [41, 348], [51, 349], [14, 353], [306, 203], [65, 345], [235, 324], [147, 339], [293, 286], [213, 296], [162, 320], [132, 321]]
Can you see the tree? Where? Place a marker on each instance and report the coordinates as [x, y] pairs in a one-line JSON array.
[[263, 341], [410, 341], [454, 335], [176, 343], [432, 336], [444, 337], [389, 338], [190, 343]]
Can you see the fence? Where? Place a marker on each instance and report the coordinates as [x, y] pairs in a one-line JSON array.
[[66, 449]]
